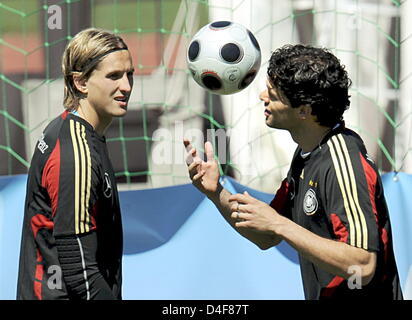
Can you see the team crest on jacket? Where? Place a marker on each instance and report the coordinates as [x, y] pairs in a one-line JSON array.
[[310, 202], [42, 146]]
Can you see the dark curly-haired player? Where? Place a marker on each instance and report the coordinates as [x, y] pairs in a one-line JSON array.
[[331, 206], [72, 240]]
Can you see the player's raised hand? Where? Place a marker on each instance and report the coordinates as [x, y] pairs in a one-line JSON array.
[[204, 174]]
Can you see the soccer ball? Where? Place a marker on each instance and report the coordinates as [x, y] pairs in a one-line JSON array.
[[224, 57]]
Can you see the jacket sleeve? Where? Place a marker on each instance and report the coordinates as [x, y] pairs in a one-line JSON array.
[[72, 180], [351, 188], [77, 257]]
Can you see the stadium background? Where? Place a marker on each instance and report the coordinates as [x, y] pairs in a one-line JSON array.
[[181, 248]]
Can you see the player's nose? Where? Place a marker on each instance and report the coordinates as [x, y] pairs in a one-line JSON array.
[[126, 83], [264, 96]]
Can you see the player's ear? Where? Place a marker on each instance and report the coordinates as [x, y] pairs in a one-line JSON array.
[[79, 83], [304, 111]]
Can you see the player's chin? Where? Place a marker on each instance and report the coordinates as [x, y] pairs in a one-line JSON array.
[[119, 111], [269, 122], [274, 125]]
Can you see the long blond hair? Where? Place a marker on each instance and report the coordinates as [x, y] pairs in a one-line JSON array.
[[82, 55]]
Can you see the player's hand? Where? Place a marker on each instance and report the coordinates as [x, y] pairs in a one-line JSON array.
[[204, 175], [251, 213]]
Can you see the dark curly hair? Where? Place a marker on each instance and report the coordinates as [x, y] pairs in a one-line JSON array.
[[312, 76]]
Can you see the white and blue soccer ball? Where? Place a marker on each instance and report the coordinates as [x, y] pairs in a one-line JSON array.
[[224, 57]]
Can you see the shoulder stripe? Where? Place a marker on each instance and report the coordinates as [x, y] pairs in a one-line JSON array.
[[76, 176], [88, 179], [364, 228], [83, 166], [342, 188], [82, 177], [346, 178], [348, 189]]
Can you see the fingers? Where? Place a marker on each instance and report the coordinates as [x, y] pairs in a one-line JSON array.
[[240, 215], [209, 151], [190, 156], [193, 168], [198, 175], [239, 207], [242, 198], [242, 224], [194, 165], [187, 144], [242, 219], [192, 153], [233, 206]]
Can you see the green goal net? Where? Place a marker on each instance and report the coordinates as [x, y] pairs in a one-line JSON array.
[[373, 38]]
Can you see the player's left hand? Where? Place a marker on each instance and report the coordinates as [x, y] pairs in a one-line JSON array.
[[252, 213]]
